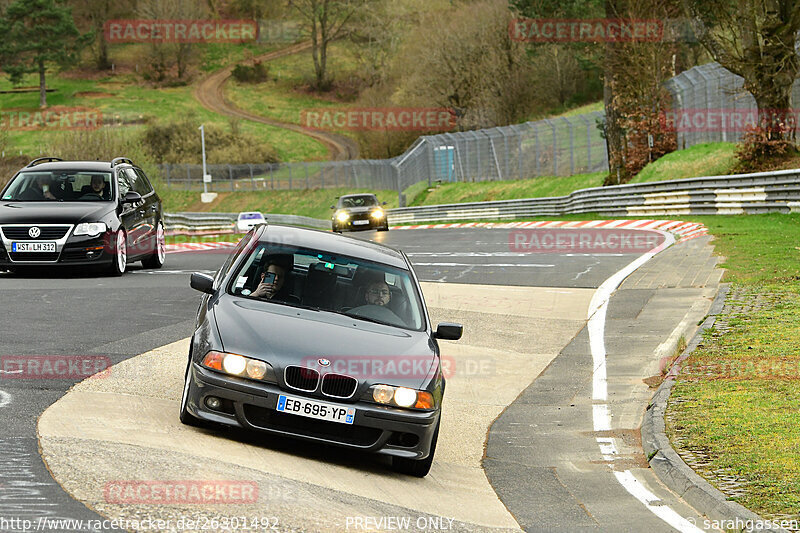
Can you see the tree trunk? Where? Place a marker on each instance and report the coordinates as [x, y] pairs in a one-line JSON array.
[[613, 128], [102, 53], [42, 86], [775, 115]]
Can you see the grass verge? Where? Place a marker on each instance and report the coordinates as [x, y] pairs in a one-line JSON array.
[[313, 203], [737, 402]]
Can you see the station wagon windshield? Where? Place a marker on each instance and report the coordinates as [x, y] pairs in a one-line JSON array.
[[60, 186]]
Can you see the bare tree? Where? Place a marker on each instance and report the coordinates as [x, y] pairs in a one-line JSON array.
[[97, 13], [324, 21], [755, 39], [466, 60], [163, 56]]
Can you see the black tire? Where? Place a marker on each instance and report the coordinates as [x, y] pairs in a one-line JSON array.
[[417, 467], [159, 255], [384, 228], [119, 251], [185, 416]]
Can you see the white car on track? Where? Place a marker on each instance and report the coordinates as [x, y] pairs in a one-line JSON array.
[[248, 220]]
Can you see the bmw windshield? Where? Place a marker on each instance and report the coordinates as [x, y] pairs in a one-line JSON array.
[[60, 186], [319, 280]]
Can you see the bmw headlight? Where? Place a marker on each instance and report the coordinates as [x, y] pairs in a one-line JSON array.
[[400, 397], [342, 216], [378, 213], [92, 229], [240, 366]]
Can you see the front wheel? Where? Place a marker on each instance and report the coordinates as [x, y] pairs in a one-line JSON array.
[[159, 255], [417, 467], [119, 250]]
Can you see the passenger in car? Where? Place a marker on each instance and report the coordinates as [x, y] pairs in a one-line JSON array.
[[377, 293], [272, 284], [39, 190]]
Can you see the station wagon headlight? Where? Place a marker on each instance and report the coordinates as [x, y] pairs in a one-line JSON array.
[[239, 365], [378, 213], [401, 397], [92, 229], [342, 216]]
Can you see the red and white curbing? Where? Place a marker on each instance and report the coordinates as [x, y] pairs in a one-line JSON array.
[[198, 246], [682, 230]]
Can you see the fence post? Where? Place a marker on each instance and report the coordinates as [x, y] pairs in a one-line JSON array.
[[571, 146], [536, 144], [252, 180], [307, 185], [322, 176], [230, 176], [188, 177], [290, 175], [166, 171]]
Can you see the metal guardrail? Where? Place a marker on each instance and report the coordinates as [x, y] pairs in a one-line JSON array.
[[762, 192], [738, 194], [223, 222]]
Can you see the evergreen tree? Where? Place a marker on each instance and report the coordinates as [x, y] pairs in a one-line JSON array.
[[35, 34]]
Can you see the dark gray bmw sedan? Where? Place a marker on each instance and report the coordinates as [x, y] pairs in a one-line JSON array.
[[317, 336]]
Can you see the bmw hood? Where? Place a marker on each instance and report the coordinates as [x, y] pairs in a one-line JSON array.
[[283, 335], [53, 212]]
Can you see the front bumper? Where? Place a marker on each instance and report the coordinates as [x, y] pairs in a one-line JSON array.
[[250, 405], [348, 225], [76, 251]]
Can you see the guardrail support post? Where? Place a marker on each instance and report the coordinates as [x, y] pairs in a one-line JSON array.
[[230, 176]]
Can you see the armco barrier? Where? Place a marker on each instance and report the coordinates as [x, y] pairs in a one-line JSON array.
[[182, 223], [761, 192]]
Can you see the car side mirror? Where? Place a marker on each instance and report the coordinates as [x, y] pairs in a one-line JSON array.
[[333, 207], [384, 203], [202, 282], [449, 331], [131, 197]]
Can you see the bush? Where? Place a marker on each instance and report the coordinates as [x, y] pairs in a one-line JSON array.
[[179, 142], [251, 74], [763, 146], [9, 166], [102, 144]]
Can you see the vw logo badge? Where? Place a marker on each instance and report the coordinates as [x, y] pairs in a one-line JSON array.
[[324, 362], [34, 232]]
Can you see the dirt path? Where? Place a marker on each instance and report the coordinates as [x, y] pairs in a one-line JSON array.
[[210, 94]]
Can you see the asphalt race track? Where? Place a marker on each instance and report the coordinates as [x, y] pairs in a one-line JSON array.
[[541, 457]]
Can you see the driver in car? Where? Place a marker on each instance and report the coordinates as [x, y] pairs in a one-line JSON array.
[[271, 285], [98, 186]]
